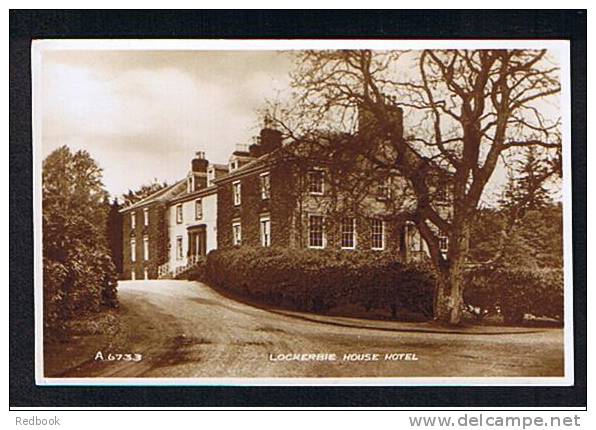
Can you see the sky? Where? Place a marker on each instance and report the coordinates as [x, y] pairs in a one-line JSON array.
[[143, 114]]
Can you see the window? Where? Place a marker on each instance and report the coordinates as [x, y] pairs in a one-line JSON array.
[[179, 217], [210, 176], [190, 184], [265, 186], [384, 189], [133, 250], [198, 209], [133, 275], [348, 233], [442, 193], [179, 250], [133, 220], [146, 217], [146, 274], [265, 231], [316, 231], [236, 233], [145, 247], [378, 233], [315, 182], [443, 242], [237, 193]]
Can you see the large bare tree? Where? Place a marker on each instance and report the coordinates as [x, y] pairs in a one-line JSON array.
[[463, 111]]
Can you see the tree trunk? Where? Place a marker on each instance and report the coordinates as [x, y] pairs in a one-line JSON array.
[[449, 293], [448, 300]]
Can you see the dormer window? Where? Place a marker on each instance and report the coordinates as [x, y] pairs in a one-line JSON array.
[[190, 184], [233, 165], [210, 176]]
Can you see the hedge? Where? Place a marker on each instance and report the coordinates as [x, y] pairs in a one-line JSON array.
[[319, 280], [515, 292]]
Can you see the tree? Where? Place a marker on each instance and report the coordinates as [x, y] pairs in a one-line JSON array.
[[114, 234], [145, 190], [436, 118], [79, 275]]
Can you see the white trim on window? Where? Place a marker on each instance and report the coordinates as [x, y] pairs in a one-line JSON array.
[[133, 220], [237, 192], [443, 242], [316, 231], [145, 247], [145, 217], [317, 189], [265, 184], [377, 230], [179, 214], [348, 233], [236, 233], [265, 230], [133, 250]]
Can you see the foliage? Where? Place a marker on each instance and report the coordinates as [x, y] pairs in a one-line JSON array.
[[319, 280], [114, 234], [515, 292], [533, 241], [79, 275], [197, 272], [145, 190]]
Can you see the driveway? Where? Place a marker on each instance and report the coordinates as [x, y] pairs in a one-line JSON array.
[[186, 329]]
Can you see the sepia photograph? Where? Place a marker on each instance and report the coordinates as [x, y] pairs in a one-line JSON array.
[[305, 212]]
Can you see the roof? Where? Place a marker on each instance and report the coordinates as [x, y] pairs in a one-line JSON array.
[[220, 166], [162, 195], [250, 166]]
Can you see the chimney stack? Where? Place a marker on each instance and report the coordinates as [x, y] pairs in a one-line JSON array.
[[199, 163]]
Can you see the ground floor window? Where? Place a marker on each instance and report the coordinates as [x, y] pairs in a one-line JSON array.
[[133, 250], [146, 273], [316, 231], [133, 275], [265, 224], [348, 233], [145, 247], [236, 233], [179, 249], [378, 233]]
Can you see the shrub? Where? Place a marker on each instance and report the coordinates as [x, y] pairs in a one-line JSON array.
[[197, 272], [516, 292], [319, 280]]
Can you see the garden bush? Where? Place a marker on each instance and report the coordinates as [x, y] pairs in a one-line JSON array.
[[516, 292], [197, 272], [319, 280]]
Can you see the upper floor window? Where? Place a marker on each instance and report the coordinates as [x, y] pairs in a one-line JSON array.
[[378, 233], [442, 193], [133, 220], [179, 248], [265, 186], [133, 250], [316, 231], [145, 247], [198, 209], [348, 233], [443, 242], [146, 217], [233, 165], [236, 233], [190, 184], [316, 181], [210, 176], [384, 189], [237, 193], [179, 216], [265, 229]]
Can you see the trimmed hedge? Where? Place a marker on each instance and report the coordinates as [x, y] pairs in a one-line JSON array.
[[516, 292], [319, 280]]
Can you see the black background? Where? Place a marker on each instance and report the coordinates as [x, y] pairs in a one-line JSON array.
[[413, 24]]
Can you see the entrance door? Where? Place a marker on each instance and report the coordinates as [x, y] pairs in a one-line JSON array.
[[197, 241]]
